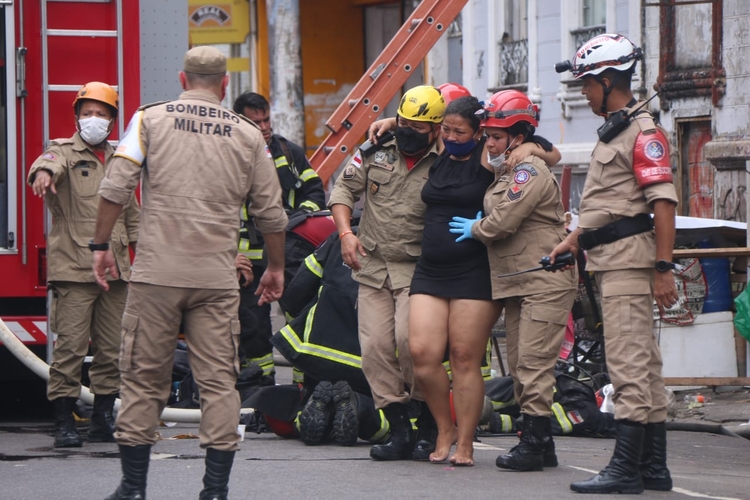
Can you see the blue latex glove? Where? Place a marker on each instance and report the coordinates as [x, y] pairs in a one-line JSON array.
[[462, 226]]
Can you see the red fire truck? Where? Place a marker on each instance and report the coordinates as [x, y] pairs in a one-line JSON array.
[[48, 49]]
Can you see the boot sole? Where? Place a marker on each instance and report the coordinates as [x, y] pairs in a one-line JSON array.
[[100, 438], [313, 421], [630, 490], [657, 484], [345, 422], [68, 444]]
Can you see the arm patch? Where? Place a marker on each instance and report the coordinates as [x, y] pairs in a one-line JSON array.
[[130, 146], [651, 161]]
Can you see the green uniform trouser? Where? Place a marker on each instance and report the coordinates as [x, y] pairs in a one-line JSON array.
[[79, 312]]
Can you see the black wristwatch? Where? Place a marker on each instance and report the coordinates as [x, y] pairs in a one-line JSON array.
[[664, 265], [96, 247]]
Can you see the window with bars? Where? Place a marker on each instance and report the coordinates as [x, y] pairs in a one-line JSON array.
[[514, 46]]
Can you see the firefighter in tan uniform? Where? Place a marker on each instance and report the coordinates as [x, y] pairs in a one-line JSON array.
[[68, 175], [197, 163], [630, 176], [524, 222], [384, 252]]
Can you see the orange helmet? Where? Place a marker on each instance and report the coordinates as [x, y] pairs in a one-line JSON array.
[[508, 107], [98, 91], [452, 91]]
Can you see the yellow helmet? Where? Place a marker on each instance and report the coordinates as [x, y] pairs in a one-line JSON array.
[[98, 91], [424, 103]]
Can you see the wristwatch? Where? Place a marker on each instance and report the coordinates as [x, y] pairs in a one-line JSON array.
[[95, 247], [664, 265]]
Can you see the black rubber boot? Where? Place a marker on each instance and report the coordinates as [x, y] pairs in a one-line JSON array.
[[549, 457], [315, 419], [134, 461], [653, 465], [66, 435], [427, 432], [622, 475], [399, 445], [102, 426], [345, 421], [528, 455], [216, 478]]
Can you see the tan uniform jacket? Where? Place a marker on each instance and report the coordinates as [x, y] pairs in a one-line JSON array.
[[77, 173], [611, 193], [200, 162], [393, 214], [524, 221]]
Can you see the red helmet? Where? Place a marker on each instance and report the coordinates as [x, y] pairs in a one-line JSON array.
[[508, 107], [452, 91]]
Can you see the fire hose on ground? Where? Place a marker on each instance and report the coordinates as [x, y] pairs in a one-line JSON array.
[[40, 368]]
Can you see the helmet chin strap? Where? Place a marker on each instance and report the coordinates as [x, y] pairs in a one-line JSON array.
[[607, 90]]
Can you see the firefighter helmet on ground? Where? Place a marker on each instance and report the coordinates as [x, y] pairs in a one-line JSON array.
[[422, 104], [452, 91], [98, 91], [607, 51], [508, 107]]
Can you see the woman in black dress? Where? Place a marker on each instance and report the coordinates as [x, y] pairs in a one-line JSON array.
[[451, 304]]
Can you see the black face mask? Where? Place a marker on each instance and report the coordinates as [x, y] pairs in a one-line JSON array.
[[410, 141]]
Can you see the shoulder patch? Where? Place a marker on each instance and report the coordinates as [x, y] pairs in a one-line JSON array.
[[521, 177], [357, 159], [268, 151], [525, 167], [515, 193], [349, 172], [49, 156]]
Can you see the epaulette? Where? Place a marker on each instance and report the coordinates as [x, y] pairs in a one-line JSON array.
[[645, 121], [152, 104], [62, 140]]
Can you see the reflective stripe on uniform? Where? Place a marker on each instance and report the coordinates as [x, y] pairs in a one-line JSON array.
[[382, 433], [291, 198], [310, 206], [565, 424], [297, 376], [314, 266], [253, 253], [265, 362], [308, 174], [506, 423], [281, 161], [319, 351], [499, 405]]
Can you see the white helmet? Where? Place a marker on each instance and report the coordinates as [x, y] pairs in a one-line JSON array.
[[606, 51]]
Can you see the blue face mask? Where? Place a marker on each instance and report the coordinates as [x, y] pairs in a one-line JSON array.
[[460, 148]]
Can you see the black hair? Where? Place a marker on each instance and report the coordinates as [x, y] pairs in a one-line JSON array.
[[621, 80], [250, 100], [466, 107], [527, 130], [204, 81]]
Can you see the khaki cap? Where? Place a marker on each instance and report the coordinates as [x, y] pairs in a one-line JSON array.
[[205, 60]]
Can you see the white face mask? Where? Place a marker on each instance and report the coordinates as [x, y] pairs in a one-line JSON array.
[[94, 130], [498, 162]]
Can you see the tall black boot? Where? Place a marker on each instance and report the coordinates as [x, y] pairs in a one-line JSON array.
[[427, 432], [66, 435], [528, 455], [622, 474], [134, 461], [102, 426], [548, 445], [653, 465], [399, 445], [216, 478]]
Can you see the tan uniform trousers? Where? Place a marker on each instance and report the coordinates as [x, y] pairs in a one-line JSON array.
[[79, 312], [384, 339], [534, 329], [633, 356], [149, 336]]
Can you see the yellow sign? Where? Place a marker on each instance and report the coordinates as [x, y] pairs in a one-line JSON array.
[[226, 22]]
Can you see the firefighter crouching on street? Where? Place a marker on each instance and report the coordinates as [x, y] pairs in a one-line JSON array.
[[524, 221], [301, 189], [68, 175], [384, 253], [630, 176], [203, 162]]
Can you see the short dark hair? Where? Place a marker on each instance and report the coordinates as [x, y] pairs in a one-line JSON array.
[[622, 79], [204, 81], [466, 107], [250, 100]]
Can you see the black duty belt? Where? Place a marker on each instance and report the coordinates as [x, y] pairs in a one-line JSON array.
[[617, 230]]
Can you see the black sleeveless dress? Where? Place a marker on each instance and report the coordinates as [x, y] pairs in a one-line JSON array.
[[447, 268]]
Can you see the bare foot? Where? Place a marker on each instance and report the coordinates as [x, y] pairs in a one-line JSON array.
[[443, 446], [463, 457]]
